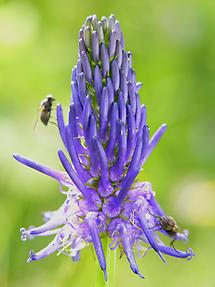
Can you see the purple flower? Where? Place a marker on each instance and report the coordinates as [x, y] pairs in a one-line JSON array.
[[107, 141]]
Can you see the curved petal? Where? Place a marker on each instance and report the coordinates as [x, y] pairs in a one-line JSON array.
[[53, 246], [93, 229], [149, 234], [176, 253], [128, 249], [60, 176], [154, 141]]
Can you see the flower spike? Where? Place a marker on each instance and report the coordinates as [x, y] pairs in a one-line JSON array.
[[107, 141]]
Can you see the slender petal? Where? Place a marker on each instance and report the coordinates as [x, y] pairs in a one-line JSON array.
[[145, 136], [98, 83], [156, 207], [73, 175], [76, 99], [94, 22], [125, 62], [114, 117], [74, 131], [131, 133], [118, 30], [132, 172], [118, 53], [81, 46], [81, 34], [86, 112], [115, 75], [91, 218], [176, 253], [104, 113], [138, 111], [82, 88], [87, 37], [111, 23], [116, 171], [153, 142], [110, 92], [79, 69], [149, 234], [60, 176], [83, 173], [86, 66], [132, 97], [122, 108], [91, 133], [104, 187], [95, 46], [104, 24], [100, 32], [123, 85], [112, 44], [61, 124], [138, 86], [128, 249], [105, 60]]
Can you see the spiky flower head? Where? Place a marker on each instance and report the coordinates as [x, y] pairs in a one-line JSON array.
[[107, 141]]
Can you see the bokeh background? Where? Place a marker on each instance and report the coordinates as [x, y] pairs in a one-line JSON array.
[[173, 53]]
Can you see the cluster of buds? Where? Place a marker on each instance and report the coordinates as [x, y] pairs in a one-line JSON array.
[[107, 142]]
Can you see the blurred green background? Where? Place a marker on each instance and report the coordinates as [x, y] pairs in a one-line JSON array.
[[173, 54]]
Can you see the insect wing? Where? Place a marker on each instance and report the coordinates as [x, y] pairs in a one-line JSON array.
[[39, 111]]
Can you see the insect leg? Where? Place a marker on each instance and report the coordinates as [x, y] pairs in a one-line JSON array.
[[156, 216], [156, 225], [172, 244], [53, 123]]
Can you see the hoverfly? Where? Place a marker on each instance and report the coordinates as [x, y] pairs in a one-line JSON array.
[[45, 110], [168, 224]]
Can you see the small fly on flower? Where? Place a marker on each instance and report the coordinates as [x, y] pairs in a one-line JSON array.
[[168, 224], [45, 110]]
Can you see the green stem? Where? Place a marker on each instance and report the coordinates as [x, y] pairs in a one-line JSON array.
[[110, 256]]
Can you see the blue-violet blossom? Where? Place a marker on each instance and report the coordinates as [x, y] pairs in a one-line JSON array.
[[107, 141]]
